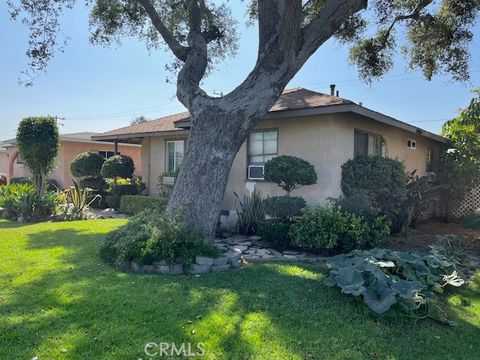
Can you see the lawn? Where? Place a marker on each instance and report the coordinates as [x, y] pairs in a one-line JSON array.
[[59, 301]]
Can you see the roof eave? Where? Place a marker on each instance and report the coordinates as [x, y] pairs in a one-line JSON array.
[[139, 135]]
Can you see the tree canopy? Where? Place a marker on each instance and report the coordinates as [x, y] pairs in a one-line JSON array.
[[433, 34]]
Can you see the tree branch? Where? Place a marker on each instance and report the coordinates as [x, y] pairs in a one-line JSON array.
[[326, 23], [178, 49]]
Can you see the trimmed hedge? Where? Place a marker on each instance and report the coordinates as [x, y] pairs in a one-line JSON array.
[[284, 207], [134, 204]]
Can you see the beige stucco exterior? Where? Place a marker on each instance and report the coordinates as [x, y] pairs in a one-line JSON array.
[[67, 152], [326, 141]]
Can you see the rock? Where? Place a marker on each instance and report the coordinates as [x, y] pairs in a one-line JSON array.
[[278, 254], [134, 266], [176, 269], [240, 248], [149, 269], [160, 263], [290, 252], [255, 238], [262, 252], [200, 269], [245, 243], [218, 268], [236, 263], [162, 269], [289, 257], [223, 260], [268, 256], [203, 260], [232, 256], [20, 219], [252, 257]]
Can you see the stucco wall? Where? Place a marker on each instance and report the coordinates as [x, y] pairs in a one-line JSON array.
[[325, 141], [68, 151], [3, 162]]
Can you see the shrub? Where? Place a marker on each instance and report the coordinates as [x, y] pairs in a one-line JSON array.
[[386, 278], [87, 164], [472, 221], [21, 180], [290, 172], [284, 207], [118, 166], [134, 204], [275, 232], [20, 200], [251, 212], [329, 230], [97, 184], [152, 236], [113, 201], [358, 204], [38, 141], [80, 199], [383, 180], [126, 189]]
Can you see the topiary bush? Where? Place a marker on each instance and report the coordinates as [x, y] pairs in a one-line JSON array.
[[121, 166], [134, 204], [359, 204], [323, 229], [97, 184], [290, 172], [38, 142], [284, 207], [383, 180], [275, 232], [87, 164], [124, 189], [152, 236]]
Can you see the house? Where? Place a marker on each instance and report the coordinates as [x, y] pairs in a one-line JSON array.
[[71, 145], [325, 130]]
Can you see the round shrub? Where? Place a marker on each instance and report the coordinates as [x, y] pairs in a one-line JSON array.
[[358, 204], [472, 221], [97, 184], [324, 229], [87, 164], [284, 207], [290, 172], [118, 166], [125, 189], [152, 236]]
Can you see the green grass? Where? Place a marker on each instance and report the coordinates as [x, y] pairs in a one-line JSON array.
[[59, 301]]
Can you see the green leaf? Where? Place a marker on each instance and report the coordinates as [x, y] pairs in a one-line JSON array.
[[350, 281], [379, 297]]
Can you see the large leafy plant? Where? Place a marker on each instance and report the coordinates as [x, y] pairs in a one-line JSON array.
[[386, 278]]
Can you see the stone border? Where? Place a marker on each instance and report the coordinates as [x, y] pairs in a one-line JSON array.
[[202, 265]]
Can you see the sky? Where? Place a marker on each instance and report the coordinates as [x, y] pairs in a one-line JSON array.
[[92, 88]]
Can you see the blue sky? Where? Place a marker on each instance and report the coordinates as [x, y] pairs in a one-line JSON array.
[[99, 89]]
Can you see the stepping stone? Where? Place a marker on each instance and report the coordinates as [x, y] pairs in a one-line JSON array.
[[134, 266], [231, 255], [278, 254], [162, 269], [255, 238], [203, 260], [252, 257], [263, 252], [245, 243], [268, 257], [160, 263], [218, 268], [223, 260], [236, 263], [289, 257], [240, 248], [290, 252], [199, 269]]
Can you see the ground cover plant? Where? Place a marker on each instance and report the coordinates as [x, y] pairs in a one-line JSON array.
[[58, 300]]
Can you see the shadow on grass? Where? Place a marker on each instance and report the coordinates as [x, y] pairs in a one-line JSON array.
[[80, 308]]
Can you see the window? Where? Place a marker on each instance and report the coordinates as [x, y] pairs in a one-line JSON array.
[[429, 159], [365, 143], [262, 146], [175, 153], [20, 159], [107, 154], [411, 144]]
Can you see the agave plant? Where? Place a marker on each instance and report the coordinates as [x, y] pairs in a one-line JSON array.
[[384, 278], [79, 198]]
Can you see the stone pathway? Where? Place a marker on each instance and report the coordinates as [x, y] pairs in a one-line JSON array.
[[108, 213], [254, 249]]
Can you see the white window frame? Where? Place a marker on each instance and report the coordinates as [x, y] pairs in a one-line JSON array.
[[258, 163], [370, 145], [104, 153], [411, 144], [175, 160]]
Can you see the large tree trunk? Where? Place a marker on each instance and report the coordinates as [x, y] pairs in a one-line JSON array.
[[214, 141]]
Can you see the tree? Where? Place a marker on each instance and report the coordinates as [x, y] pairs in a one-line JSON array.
[[38, 141], [121, 166], [459, 166], [200, 33], [139, 120]]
